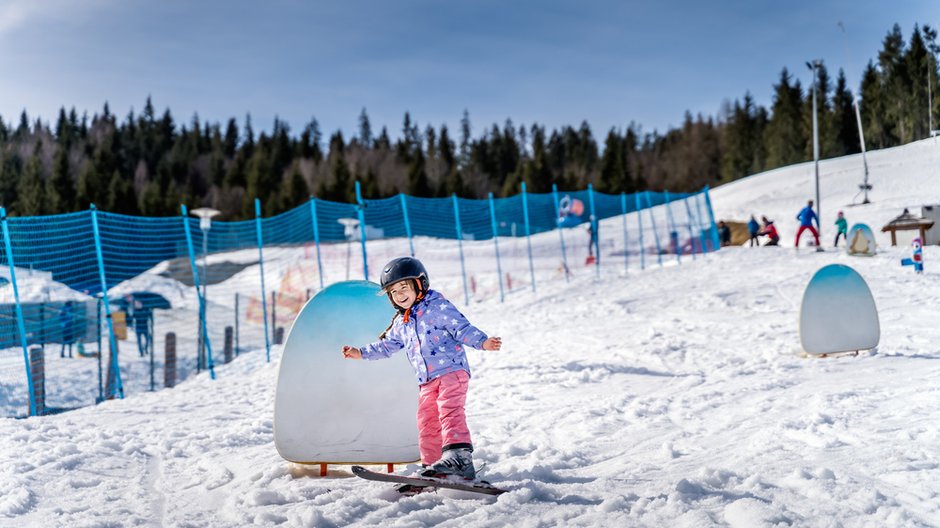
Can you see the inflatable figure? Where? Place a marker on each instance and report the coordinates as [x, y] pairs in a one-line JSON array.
[[917, 256]]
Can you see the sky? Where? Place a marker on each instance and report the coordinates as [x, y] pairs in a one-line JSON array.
[[549, 62]]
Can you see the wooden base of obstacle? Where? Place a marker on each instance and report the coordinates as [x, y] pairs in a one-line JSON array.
[[324, 468]]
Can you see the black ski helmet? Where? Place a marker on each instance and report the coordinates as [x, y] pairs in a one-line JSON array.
[[405, 268]]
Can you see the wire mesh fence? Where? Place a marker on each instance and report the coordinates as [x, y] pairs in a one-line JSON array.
[[95, 305]]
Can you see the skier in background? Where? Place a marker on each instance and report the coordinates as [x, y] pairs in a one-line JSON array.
[[433, 334], [769, 231], [807, 216], [724, 233], [842, 227], [753, 228]]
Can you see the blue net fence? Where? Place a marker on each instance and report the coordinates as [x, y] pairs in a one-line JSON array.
[[93, 305]]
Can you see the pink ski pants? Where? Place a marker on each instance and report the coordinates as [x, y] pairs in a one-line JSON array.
[[800, 232], [441, 417]]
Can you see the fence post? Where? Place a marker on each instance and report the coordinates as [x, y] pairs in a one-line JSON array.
[[274, 316], [169, 361], [528, 238], [98, 328], [229, 338], [499, 269], [673, 232], [597, 235], [404, 214], [37, 363], [20, 323], [626, 246], [202, 302], [711, 217], [463, 269], [701, 230], [639, 220], [114, 378], [688, 212], [264, 300], [561, 236], [362, 230], [659, 248], [316, 240], [236, 324]]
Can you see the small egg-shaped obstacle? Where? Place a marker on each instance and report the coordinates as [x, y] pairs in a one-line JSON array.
[[332, 410], [838, 313]]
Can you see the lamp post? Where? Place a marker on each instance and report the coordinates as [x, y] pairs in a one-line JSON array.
[[815, 65], [865, 186], [205, 215]]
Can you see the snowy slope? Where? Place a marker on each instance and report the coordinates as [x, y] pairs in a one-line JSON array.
[[673, 396]]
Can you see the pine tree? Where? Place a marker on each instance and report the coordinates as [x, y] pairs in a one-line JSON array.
[[365, 130], [784, 136], [230, 143], [843, 119], [30, 195], [62, 186]]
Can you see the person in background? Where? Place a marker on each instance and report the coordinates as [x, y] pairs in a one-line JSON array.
[[770, 231], [807, 216], [724, 233], [842, 227], [753, 228]]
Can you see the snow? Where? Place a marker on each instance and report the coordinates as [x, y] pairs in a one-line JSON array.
[[674, 396]]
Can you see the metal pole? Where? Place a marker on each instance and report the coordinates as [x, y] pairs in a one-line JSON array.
[[711, 216], [463, 269], [659, 247], [202, 302], [118, 385], [264, 300], [639, 221], [626, 247], [499, 269], [362, 231], [561, 236], [597, 236], [20, 322], [814, 66], [858, 119], [673, 232], [404, 214], [316, 241], [528, 238]]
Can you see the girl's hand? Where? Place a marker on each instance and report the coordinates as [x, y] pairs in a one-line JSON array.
[[493, 343], [351, 352]]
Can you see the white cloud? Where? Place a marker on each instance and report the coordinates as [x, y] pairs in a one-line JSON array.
[[14, 14]]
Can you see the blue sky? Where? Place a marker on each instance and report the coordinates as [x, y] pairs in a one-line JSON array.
[[555, 63]]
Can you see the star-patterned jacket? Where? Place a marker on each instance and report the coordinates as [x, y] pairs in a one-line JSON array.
[[433, 338]]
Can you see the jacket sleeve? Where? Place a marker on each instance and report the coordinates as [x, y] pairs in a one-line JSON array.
[[459, 327], [384, 348]]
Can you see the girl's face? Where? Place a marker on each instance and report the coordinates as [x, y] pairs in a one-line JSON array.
[[403, 293]]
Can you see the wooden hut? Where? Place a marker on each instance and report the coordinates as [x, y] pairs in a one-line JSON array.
[[907, 222]]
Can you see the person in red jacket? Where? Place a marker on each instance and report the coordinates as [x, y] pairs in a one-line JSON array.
[[769, 231]]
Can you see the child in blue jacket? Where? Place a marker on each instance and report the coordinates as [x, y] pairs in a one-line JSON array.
[[433, 333]]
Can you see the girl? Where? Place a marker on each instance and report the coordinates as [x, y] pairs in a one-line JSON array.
[[433, 333]]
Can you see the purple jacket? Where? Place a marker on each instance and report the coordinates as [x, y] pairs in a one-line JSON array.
[[433, 338]]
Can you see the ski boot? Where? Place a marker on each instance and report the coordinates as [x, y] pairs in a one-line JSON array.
[[456, 459]]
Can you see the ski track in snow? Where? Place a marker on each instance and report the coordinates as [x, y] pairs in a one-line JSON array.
[[673, 396]]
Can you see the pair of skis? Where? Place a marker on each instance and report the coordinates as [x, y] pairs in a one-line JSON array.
[[420, 483]]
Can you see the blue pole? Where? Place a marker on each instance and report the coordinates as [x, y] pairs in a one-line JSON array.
[[20, 323], [115, 366], [639, 220], [659, 248], [711, 217], [463, 269], [528, 238], [673, 232], [626, 247], [701, 230], [264, 295], [202, 301], [316, 236], [597, 236], [362, 230], [688, 212], [499, 269], [404, 213], [561, 236]]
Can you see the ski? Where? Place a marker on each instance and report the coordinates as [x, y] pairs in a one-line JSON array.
[[428, 482]]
